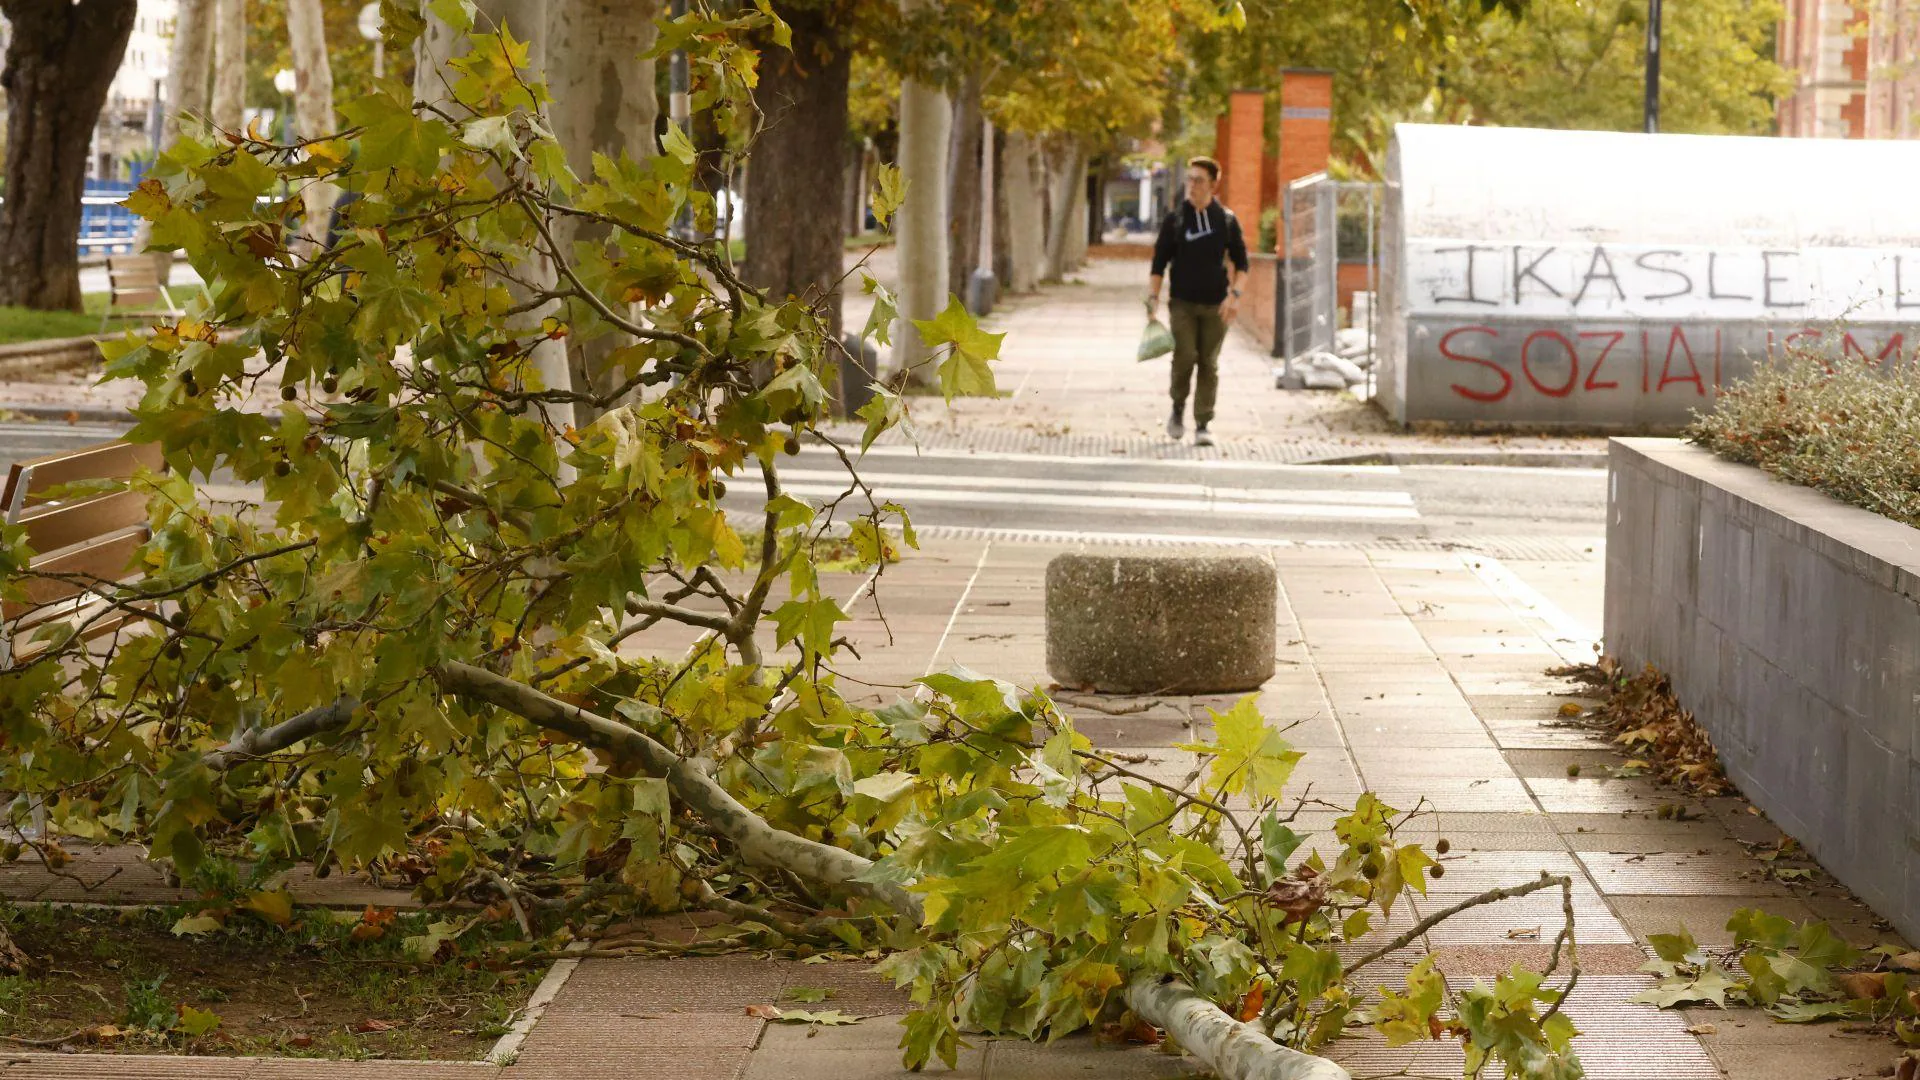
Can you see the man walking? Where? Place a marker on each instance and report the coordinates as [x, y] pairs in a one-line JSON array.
[[1198, 239]]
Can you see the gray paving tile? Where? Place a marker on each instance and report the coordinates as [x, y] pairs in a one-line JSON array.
[[1705, 917], [1679, 874], [1082, 1056], [864, 1051]]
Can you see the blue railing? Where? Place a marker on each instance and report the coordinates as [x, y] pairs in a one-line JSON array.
[[105, 227]]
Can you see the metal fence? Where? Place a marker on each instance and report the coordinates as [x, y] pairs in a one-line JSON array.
[[106, 227], [1324, 222]]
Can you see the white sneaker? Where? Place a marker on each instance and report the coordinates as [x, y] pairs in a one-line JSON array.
[[1175, 429], [1201, 437]]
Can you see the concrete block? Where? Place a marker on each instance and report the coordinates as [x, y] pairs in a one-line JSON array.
[[1161, 624], [1790, 626]]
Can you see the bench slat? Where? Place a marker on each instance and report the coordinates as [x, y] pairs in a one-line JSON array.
[[113, 461], [107, 559], [66, 524]]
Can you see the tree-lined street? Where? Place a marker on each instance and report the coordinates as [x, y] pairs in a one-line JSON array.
[[488, 632]]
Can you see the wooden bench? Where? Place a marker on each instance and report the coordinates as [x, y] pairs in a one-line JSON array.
[[137, 289], [91, 535]]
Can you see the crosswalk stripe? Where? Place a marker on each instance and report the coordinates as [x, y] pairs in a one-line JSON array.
[[1132, 504], [1112, 487], [1182, 464]]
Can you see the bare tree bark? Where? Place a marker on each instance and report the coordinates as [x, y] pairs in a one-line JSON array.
[[1065, 168], [963, 187], [229, 106], [61, 59], [1026, 230], [795, 245], [187, 66], [925, 117], [312, 103], [1234, 1049], [603, 102]]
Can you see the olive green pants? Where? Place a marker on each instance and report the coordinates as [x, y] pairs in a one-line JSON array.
[[1198, 331]]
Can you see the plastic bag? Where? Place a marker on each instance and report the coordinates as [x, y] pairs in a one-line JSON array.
[[1157, 341]]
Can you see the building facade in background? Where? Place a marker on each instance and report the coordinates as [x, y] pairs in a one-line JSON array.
[[127, 134], [1856, 68]]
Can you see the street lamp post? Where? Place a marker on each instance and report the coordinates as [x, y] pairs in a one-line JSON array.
[[370, 29], [680, 109], [286, 82], [1653, 66]]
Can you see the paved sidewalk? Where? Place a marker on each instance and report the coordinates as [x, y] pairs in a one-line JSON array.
[[1413, 674]]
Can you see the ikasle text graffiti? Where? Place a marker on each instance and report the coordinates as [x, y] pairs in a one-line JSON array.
[[1586, 280]]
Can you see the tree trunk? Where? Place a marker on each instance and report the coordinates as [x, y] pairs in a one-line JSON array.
[[603, 102], [794, 246], [925, 118], [229, 109], [963, 187], [1002, 226], [1093, 211], [186, 86], [61, 60], [1066, 174], [856, 170], [193, 31], [1026, 232], [438, 44], [312, 103]]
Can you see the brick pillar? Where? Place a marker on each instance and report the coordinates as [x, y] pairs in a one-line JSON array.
[[1246, 144], [1306, 123], [1222, 148]]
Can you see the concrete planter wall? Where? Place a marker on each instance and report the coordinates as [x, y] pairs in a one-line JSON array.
[[1790, 624]]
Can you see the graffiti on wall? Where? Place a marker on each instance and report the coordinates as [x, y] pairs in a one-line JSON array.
[[1597, 329], [1491, 362], [1627, 280]]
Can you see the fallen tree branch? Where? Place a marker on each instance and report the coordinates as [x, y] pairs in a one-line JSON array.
[[1233, 1049], [258, 742], [757, 842], [1491, 896]]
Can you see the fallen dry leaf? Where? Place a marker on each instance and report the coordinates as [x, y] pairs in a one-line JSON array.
[[1863, 984], [1570, 709], [300, 1042], [1297, 899], [1642, 714], [1251, 1004], [369, 1027], [1908, 962], [1702, 1029], [763, 1012]]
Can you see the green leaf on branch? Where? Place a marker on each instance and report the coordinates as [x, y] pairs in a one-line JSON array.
[[810, 622], [457, 14], [881, 317], [1248, 754], [964, 371], [676, 144], [889, 193]]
